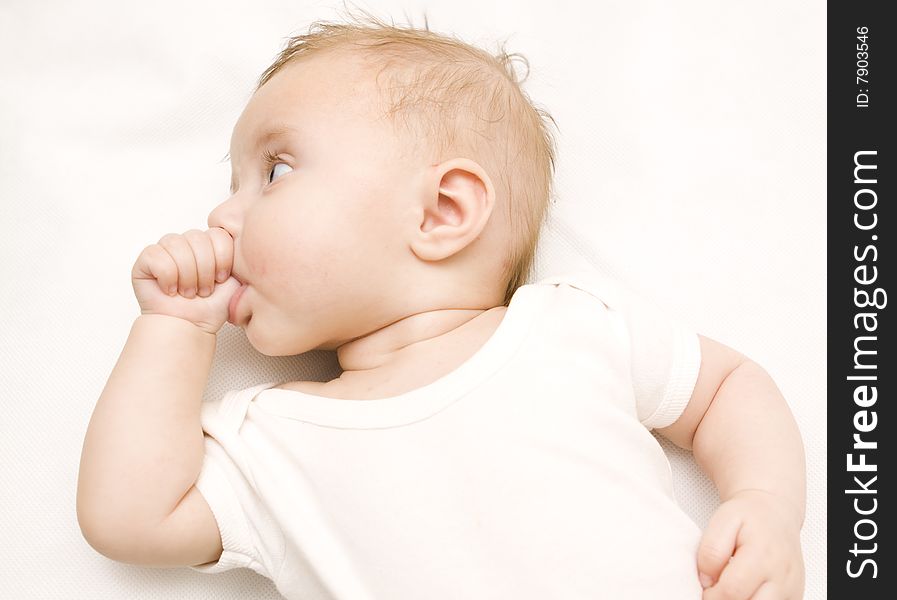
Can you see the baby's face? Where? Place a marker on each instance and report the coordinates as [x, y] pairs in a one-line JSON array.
[[316, 232]]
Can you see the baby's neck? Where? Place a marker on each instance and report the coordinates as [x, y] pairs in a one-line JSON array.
[[394, 343]]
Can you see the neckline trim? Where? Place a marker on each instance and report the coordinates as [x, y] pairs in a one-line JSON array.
[[422, 402]]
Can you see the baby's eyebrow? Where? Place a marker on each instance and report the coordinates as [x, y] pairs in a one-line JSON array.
[[270, 133]]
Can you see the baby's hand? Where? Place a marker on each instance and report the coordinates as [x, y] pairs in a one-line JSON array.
[[764, 531], [178, 276]]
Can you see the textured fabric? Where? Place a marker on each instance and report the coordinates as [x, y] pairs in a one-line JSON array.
[[527, 472], [665, 353]]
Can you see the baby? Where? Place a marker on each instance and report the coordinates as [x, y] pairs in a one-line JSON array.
[[487, 438]]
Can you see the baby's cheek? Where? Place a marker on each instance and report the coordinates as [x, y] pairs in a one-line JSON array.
[[290, 261], [253, 248]]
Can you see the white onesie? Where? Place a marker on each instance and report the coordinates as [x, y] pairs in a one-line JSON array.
[[528, 472]]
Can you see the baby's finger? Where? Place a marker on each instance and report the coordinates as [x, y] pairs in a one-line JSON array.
[[179, 249], [156, 263], [223, 244], [204, 255], [718, 544], [740, 579]]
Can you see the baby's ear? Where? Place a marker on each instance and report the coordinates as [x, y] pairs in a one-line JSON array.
[[456, 207]]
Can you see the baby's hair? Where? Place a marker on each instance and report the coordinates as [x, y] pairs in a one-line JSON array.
[[436, 87]]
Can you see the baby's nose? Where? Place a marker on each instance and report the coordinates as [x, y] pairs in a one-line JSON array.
[[225, 216]]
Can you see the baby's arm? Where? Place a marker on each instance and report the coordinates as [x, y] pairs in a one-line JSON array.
[[743, 435], [144, 446]]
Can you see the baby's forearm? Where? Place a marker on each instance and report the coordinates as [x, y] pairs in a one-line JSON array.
[[144, 443], [748, 439]]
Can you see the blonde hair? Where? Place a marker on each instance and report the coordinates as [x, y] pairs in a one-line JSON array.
[[441, 87]]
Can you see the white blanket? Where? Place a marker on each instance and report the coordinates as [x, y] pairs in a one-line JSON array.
[[691, 166]]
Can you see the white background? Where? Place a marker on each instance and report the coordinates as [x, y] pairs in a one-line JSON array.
[[691, 166]]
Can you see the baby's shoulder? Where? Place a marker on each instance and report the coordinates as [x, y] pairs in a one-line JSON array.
[[306, 387]]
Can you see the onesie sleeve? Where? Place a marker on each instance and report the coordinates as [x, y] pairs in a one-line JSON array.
[[665, 354], [231, 497], [666, 358]]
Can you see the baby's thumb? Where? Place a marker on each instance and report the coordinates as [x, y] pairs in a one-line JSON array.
[[717, 546], [226, 289]]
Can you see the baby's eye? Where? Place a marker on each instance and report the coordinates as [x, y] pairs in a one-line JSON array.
[[274, 170]]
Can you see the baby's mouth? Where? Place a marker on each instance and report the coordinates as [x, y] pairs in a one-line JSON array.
[[233, 305]]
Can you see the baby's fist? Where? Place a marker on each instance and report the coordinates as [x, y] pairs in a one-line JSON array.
[[187, 276], [751, 550]]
